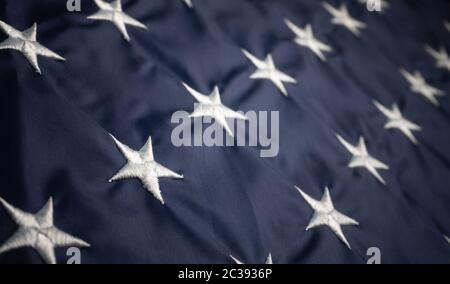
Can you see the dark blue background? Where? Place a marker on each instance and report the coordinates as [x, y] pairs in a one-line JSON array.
[[54, 132]]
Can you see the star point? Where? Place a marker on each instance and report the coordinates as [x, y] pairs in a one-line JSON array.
[[419, 86], [211, 106], [342, 17], [447, 25], [362, 159], [113, 12], [305, 37], [396, 120], [38, 231], [141, 165], [268, 259], [326, 215], [26, 43], [267, 70], [188, 3], [441, 57]]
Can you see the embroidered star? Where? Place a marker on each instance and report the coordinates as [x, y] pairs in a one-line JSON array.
[[447, 239], [383, 3], [342, 17], [26, 43], [305, 37], [268, 260], [211, 106], [326, 215], [441, 57], [447, 25], [268, 71], [112, 12], [419, 85], [189, 3], [396, 120], [362, 159], [142, 165], [39, 232]]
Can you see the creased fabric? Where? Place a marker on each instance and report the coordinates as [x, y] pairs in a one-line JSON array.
[[55, 138]]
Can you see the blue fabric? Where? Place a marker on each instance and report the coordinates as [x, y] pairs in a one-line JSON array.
[[55, 142]]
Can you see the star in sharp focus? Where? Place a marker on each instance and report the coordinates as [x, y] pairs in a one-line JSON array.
[[419, 85], [305, 37], [268, 71], [326, 215], [362, 159], [383, 4], [396, 120], [189, 3], [141, 165], [112, 12], [211, 106], [38, 232], [342, 17], [26, 43], [441, 57], [268, 259]]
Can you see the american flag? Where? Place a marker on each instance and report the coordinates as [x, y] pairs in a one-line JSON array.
[[90, 170]]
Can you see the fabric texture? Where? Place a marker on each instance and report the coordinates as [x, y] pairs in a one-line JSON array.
[[55, 138]]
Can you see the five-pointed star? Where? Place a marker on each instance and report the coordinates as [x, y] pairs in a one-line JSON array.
[[383, 3], [267, 70], [141, 165], [325, 214], [113, 12], [26, 43], [305, 37], [396, 120], [189, 3], [342, 17], [420, 86], [39, 232], [211, 106], [268, 259], [362, 159], [441, 57], [447, 239]]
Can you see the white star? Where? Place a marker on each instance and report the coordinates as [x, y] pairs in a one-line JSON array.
[[141, 165], [447, 25], [211, 106], [343, 18], [37, 231], [441, 57], [189, 3], [362, 159], [396, 120], [305, 37], [447, 239], [267, 70], [326, 215], [268, 260], [26, 43], [112, 12], [419, 85]]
